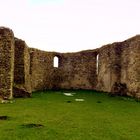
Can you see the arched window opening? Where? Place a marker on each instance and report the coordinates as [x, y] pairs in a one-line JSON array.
[[56, 62], [97, 64]]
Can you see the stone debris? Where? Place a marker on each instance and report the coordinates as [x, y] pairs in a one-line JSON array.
[[79, 100], [6, 101], [69, 94]]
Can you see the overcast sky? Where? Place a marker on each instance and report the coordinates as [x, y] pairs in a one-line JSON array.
[[71, 25]]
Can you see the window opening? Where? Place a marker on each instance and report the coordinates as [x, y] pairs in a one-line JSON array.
[[56, 62], [97, 64]]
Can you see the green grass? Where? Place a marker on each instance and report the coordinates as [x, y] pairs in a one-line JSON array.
[[99, 117]]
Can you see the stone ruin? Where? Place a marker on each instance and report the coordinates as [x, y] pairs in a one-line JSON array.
[[113, 68]]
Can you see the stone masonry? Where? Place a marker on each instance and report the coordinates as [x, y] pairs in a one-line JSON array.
[[113, 68], [6, 62]]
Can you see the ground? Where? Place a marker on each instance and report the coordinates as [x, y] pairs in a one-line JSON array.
[[51, 115]]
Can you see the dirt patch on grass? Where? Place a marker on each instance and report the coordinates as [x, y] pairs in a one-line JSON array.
[[99, 102], [69, 101], [4, 117], [32, 125]]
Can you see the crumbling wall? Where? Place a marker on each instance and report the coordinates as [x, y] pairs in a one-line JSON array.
[[23, 69], [130, 66], [6, 62], [76, 70], [22, 79], [109, 67], [119, 68], [41, 70]]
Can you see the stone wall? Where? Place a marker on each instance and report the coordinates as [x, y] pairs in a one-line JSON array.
[[41, 69], [119, 68], [22, 79], [76, 70], [109, 67], [6, 63], [130, 66], [113, 68]]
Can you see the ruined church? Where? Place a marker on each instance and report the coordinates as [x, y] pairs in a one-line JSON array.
[[113, 68]]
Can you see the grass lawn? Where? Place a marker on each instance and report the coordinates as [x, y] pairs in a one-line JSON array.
[[51, 115]]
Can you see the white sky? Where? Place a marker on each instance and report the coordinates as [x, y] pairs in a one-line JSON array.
[[71, 25]]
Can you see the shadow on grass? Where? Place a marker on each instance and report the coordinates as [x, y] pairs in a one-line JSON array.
[[32, 125], [4, 117]]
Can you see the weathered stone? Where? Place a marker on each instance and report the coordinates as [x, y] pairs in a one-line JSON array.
[[19, 92], [75, 71], [22, 79], [6, 62], [113, 68], [118, 69]]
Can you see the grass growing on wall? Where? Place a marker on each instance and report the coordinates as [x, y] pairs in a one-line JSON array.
[[53, 116]]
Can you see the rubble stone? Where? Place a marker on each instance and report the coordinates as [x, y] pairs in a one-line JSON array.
[[113, 68]]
